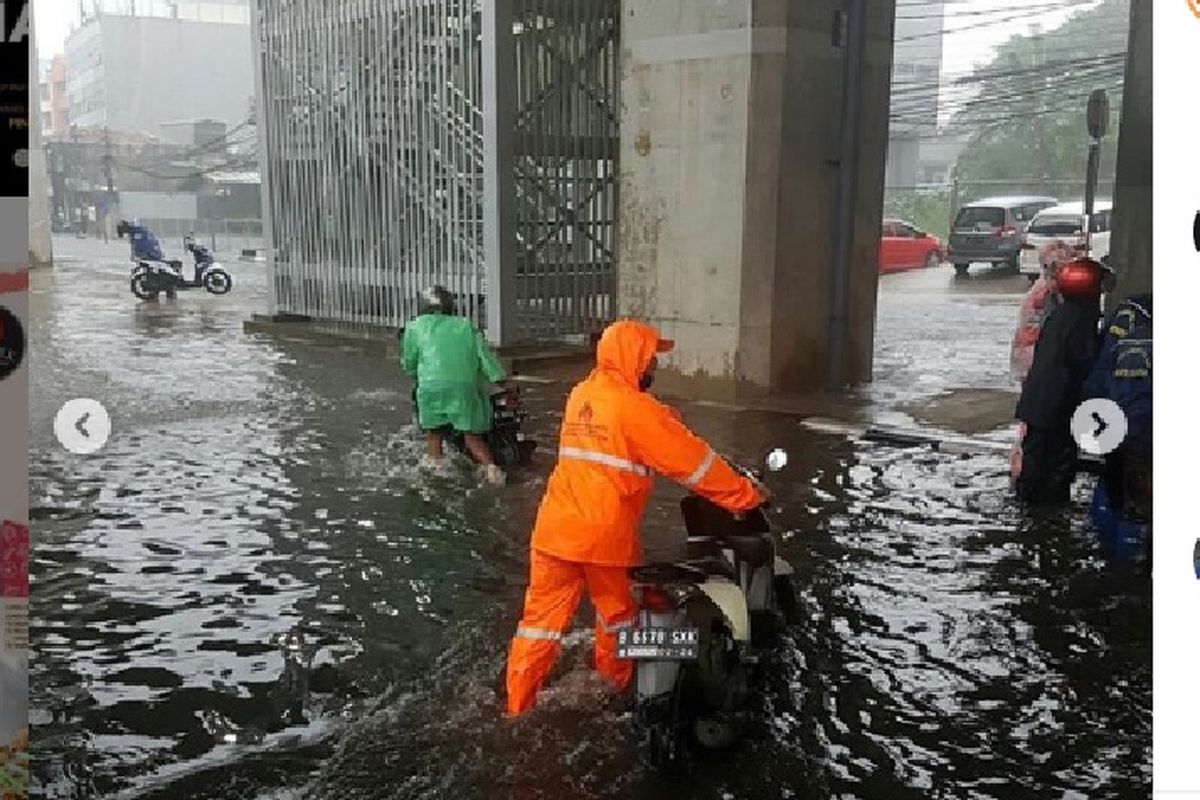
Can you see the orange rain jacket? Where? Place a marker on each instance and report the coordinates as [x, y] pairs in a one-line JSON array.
[[614, 438]]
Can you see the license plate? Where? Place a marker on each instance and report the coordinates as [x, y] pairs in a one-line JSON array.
[[658, 644]]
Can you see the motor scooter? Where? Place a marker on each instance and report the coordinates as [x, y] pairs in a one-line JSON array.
[[149, 279], [508, 445], [705, 627]]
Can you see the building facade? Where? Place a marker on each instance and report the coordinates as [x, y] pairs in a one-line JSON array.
[[133, 66], [55, 99], [98, 176], [916, 83], [44, 92]]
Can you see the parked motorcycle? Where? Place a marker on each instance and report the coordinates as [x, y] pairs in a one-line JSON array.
[[509, 446], [706, 627], [149, 279]]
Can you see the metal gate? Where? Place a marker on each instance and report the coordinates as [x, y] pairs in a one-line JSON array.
[[566, 164], [371, 128], [372, 134]]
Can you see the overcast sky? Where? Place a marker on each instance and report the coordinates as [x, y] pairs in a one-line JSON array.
[[980, 24]]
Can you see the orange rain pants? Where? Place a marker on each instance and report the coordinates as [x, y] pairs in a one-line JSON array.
[[555, 588]]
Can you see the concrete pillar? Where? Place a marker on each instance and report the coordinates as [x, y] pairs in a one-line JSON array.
[[266, 143], [39, 177], [1132, 249], [730, 134], [499, 155]]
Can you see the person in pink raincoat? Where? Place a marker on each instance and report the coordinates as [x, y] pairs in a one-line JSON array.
[[1039, 301]]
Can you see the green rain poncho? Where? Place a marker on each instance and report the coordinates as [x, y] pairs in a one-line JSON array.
[[450, 361]]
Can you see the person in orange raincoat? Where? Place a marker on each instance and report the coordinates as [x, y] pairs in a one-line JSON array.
[[615, 436]]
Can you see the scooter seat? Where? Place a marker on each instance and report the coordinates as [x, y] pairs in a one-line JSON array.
[[714, 565], [664, 572]]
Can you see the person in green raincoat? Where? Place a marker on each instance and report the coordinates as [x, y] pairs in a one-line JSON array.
[[452, 364]]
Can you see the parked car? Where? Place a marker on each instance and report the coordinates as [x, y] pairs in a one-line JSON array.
[[903, 246], [1063, 224], [992, 229]]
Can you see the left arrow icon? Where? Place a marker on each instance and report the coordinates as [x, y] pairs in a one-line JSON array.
[[82, 426]]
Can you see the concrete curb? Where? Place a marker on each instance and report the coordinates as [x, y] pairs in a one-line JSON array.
[[384, 342]]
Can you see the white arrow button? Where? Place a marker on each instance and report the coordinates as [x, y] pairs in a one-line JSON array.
[[1099, 426], [82, 426]]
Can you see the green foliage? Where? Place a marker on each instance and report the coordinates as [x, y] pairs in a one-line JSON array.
[[1030, 110], [928, 210]]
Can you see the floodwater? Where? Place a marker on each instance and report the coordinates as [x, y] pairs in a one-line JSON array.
[[254, 592]]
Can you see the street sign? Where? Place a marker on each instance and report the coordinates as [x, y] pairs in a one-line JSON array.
[[1097, 114]]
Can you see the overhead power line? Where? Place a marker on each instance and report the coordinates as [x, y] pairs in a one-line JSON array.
[[974, 13], [991, 23]]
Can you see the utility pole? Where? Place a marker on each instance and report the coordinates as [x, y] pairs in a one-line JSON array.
[[1097, 126], [953, 197], [108, 177], [76, 171]]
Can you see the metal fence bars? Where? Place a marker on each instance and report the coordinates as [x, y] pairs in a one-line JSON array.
[[566, 164], [372, 119], [374, 154]]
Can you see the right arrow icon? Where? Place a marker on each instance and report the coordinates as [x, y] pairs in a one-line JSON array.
[[1099, 426]]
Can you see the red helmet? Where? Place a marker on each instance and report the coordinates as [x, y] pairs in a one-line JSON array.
[[1082, 277]]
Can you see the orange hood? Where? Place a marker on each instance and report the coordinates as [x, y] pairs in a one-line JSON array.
[[626, 347]]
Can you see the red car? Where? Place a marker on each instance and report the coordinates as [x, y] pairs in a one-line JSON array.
[[903, 246]]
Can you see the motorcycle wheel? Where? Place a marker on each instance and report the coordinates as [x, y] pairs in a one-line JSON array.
[[664, 746], [713, 734], [667, 735], [507, 451], [140, 286], [715, 665], [785, 599], [217, 281]]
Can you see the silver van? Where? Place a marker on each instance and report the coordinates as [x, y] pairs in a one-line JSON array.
[[992, 229]]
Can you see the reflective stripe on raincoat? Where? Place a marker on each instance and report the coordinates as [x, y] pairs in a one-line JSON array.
[[614, 438], [450, 361]]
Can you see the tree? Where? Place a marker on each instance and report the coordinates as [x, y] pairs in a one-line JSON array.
[[1028, 107]]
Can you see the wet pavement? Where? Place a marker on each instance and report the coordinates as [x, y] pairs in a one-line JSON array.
[[254, 592]]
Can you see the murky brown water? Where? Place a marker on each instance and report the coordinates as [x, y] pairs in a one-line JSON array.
[[252, 592]]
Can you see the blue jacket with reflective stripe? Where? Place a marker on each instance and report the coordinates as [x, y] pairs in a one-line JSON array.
[[1123, 371], [144, 245]]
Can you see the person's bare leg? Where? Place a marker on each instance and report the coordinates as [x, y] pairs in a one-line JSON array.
[[479, 449], [433, 445]]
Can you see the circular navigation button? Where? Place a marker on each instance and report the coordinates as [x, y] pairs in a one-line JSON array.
[[82, 426], [1099, 426]]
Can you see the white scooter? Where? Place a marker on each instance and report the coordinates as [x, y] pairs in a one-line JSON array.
[[705, 625]]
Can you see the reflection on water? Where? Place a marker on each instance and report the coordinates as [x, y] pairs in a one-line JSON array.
[[254, 592]]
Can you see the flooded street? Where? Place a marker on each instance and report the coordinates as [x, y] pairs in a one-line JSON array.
[[253, 591]]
